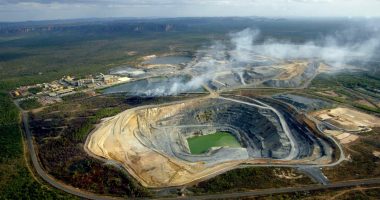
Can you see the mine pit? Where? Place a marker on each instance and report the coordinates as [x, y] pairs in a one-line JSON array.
[[177, 143]]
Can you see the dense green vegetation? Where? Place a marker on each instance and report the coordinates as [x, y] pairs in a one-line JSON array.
[[357, 193], [350, 87], [16, 181], [362, 163], [201, 144], [35, 90], [81, 133], [367, 108], [349, 80], [247, 179], [28, 104], [78, 95], [59, 48], [9, 122], [55, 58]]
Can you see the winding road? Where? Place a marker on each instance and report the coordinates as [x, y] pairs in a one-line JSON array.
[[272, 191], [45, 176]]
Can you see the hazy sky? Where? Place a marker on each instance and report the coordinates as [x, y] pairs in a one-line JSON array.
[[20, 10]]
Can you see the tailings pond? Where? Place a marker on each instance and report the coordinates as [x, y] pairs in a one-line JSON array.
[[201, 144], [157, 86]]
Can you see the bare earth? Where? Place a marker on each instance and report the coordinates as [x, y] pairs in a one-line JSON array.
[[292, 70], [152, 154], [348, 119], [115, 139]]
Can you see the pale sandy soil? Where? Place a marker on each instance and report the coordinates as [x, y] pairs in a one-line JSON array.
[[149, 57], [344, 138], [292, 70], [348, 119], [287, 174], [349, 139], [132, 53], [329, 93], [115, 139], [324, 68], [376, 153]]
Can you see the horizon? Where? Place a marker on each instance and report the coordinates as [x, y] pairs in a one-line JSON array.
[[45, 10], [87, 19]]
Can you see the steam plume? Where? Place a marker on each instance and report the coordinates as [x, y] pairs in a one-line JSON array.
[[244, 47]]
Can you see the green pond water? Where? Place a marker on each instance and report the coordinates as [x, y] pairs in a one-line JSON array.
[[200, 144]]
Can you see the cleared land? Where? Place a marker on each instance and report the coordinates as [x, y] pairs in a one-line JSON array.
[[348, 119]]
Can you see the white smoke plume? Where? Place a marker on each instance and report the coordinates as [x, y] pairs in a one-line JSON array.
[[244, 47], [330, 50]]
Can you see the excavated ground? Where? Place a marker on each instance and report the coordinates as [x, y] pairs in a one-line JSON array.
[[347, 119], [151, 141], [227, 75], [290, 74]]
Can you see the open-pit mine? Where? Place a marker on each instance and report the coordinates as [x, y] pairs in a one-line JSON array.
[[187, 141], [153, 142]]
